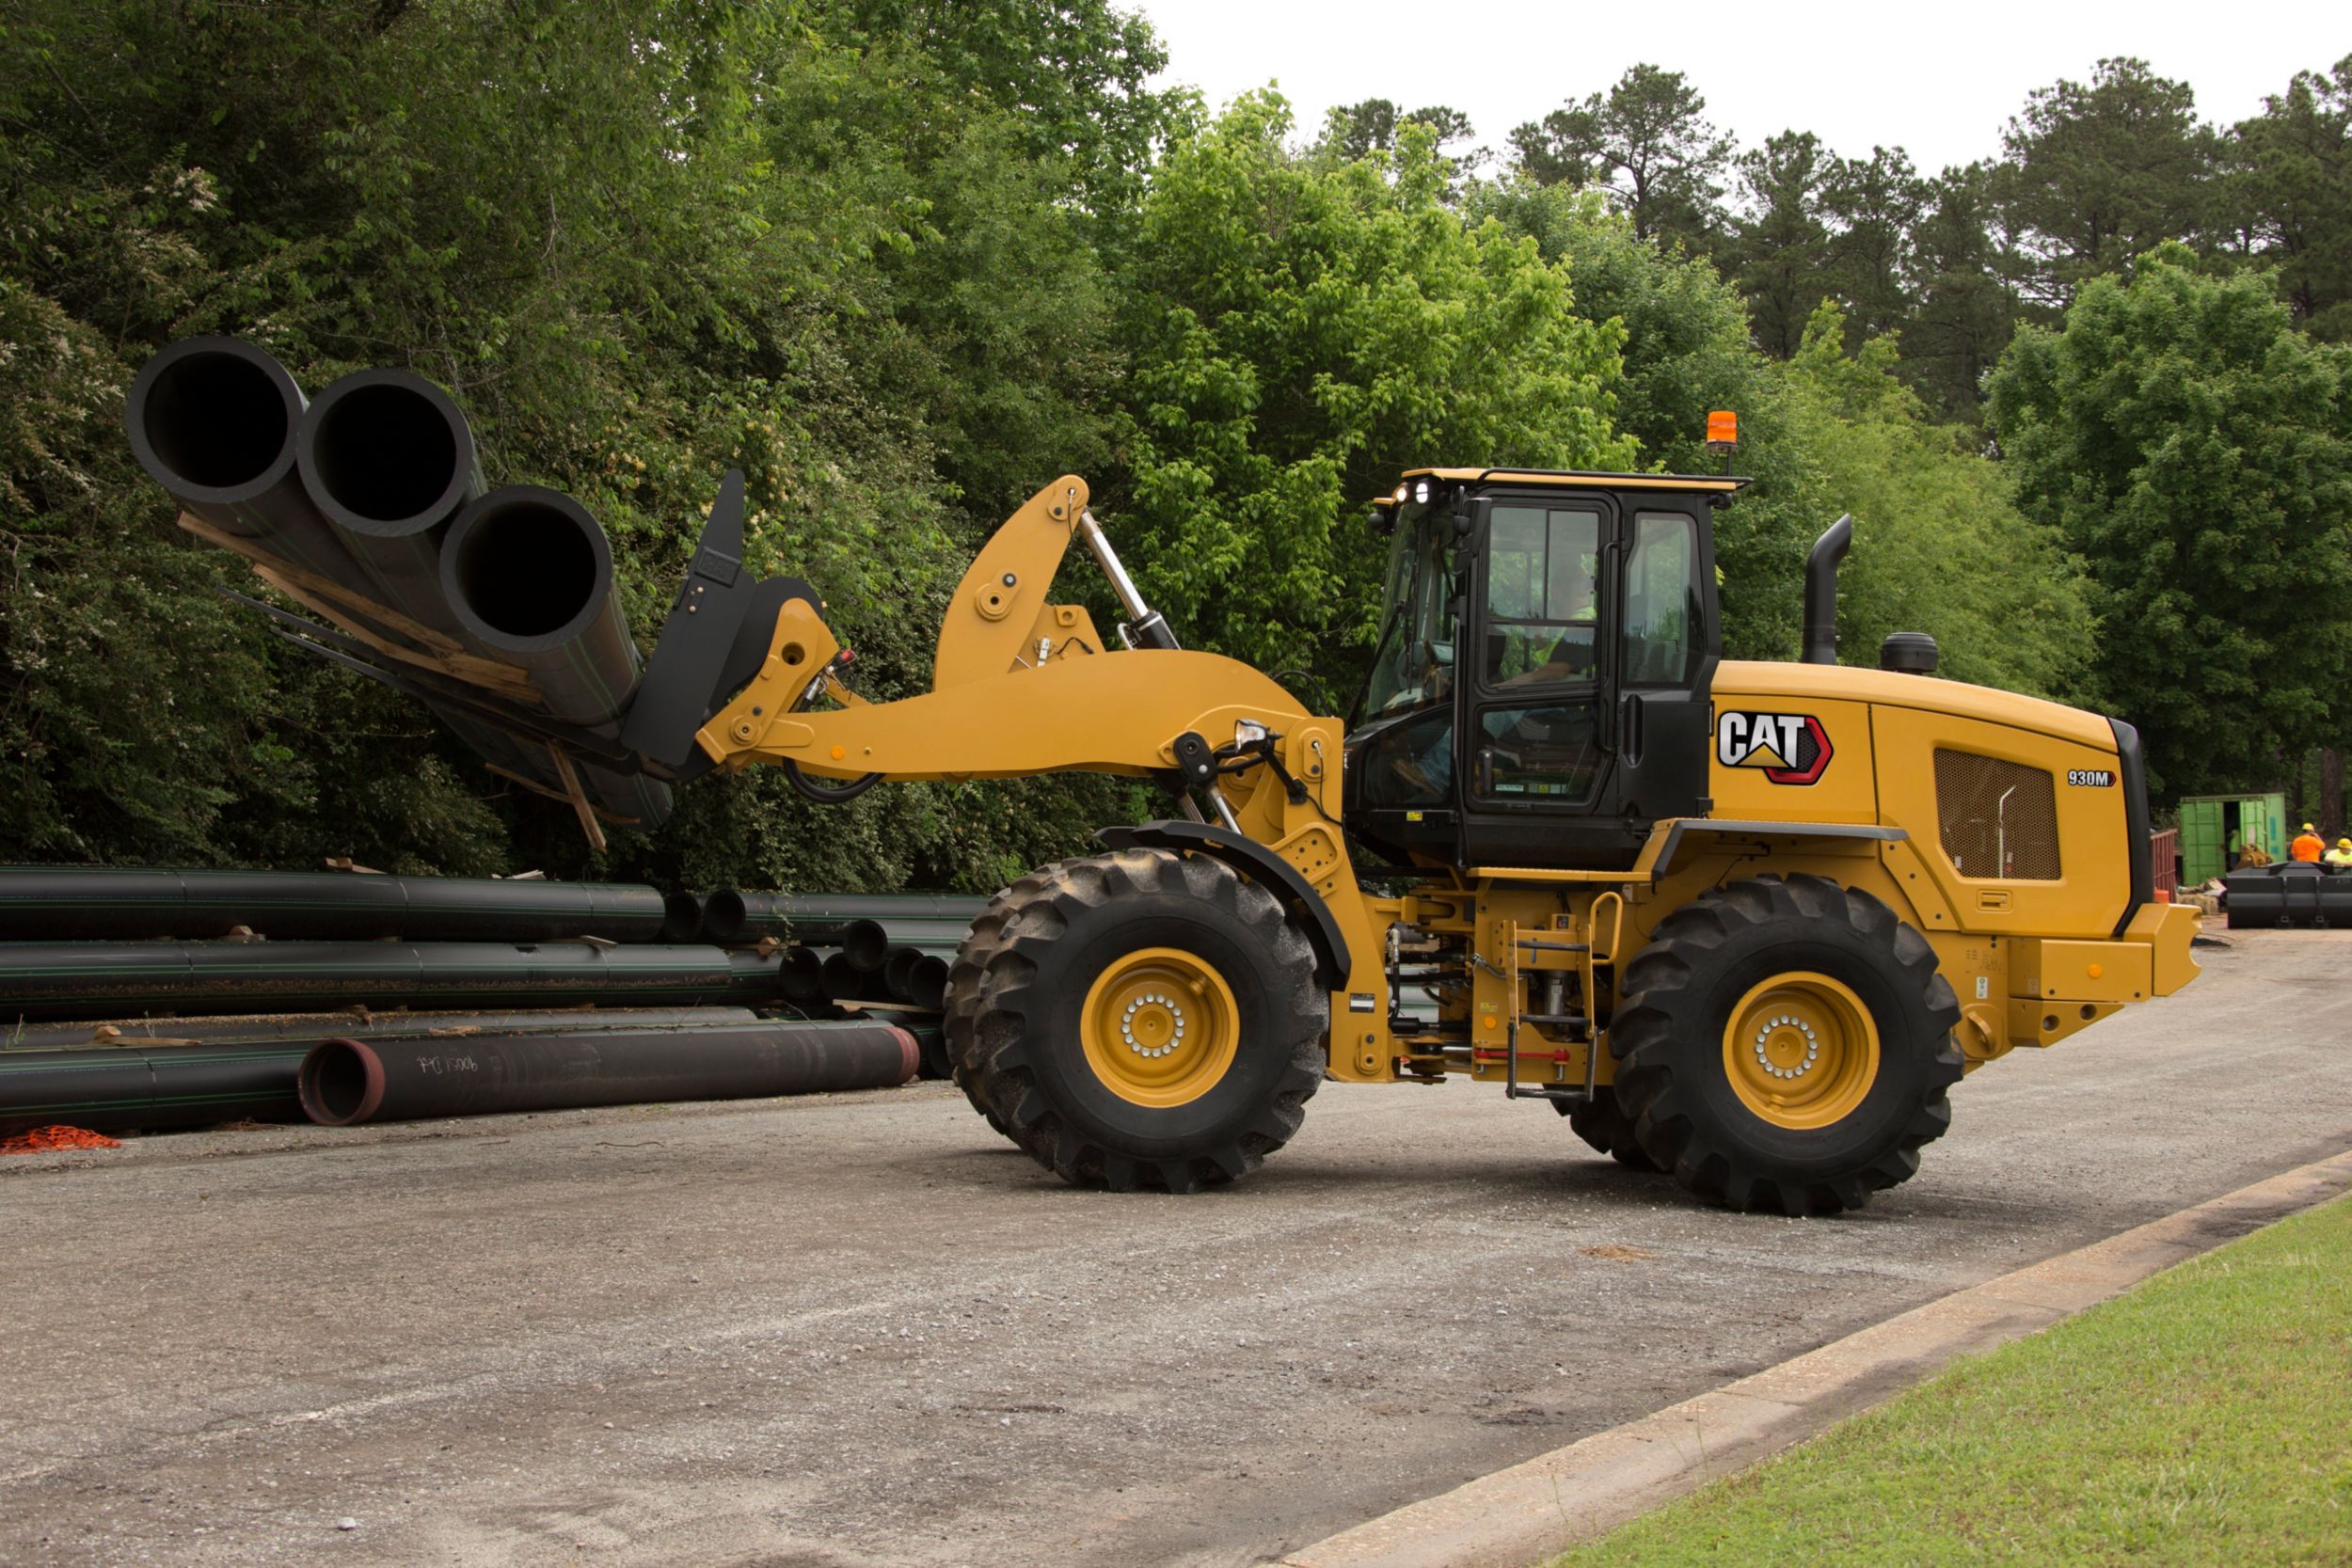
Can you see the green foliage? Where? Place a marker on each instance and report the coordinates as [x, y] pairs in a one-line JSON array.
[[904, 260], [1646, 143], [2100, 172], [851, 249], [2196, 451], [1355, 130], [1940, 546], [1964, 315], [1302, 329], [1686, 352], [1781, 252], [2291, 188]]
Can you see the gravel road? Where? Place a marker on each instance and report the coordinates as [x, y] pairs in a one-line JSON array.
[[862, 1330]]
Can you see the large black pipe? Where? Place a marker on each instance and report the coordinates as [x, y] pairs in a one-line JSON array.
[[56, 903], [347, 1082], [845, 981], [802, 974], [869, 941], [681, 917], [388, 459], [213, 421], [917, 977], [117, 1088], [528, 572], [310, 1027], [41, 980], [204, 1072], [1820, 591], [930, 1040], [731, 919]]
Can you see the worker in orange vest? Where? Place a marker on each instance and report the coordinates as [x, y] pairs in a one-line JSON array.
[[2308, 845]]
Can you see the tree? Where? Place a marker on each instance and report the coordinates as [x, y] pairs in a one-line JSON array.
[[1073, 76], [1646, 142], [2196, 451], [1782, 246], [1302, 329], [2292, 187], [1940, 546], [2098, 173], [1688, 351], [1965, 313], [850, 250], [1874, 204], [1355, 130]]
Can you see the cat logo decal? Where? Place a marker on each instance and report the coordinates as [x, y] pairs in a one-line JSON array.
[[1791, 748]]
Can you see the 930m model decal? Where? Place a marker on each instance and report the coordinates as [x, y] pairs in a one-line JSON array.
[[1791, 748]]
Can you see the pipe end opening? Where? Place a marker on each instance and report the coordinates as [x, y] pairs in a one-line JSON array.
[[217, 420], [387, 451], [528, 567], [340, 1082]]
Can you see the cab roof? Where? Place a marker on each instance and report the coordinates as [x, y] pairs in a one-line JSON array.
[[1721, 484]]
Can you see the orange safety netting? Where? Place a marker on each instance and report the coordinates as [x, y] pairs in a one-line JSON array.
[[41, 1138]]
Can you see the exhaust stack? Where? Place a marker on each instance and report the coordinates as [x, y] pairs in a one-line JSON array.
[[1820, 591]]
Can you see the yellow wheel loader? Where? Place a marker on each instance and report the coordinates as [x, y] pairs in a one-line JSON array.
[[1745, 923]]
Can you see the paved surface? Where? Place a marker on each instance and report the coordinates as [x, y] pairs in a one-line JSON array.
[[862, 1330]]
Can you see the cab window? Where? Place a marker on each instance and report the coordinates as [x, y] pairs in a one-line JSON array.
[[1542, 613], [1664, 629]]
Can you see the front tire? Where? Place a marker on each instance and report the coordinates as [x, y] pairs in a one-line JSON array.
[[1603, 1124], [1140, 1019], [1786, 1045]]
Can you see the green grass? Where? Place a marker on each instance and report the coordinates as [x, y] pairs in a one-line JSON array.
[[2202, 1418]]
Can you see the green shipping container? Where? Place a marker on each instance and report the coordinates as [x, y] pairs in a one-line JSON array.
[[2215, 828]]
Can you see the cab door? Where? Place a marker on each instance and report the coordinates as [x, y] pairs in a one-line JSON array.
[[1583, 680]]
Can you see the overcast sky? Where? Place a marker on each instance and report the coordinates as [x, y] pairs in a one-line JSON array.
[[1939, 81]]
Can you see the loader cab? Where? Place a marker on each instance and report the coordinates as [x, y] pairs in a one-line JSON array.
[[1539, 692]]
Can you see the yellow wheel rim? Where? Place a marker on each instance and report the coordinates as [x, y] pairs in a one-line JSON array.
[[1160, 1027], [1801, 1050]]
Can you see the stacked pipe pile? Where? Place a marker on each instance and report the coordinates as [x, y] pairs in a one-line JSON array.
[[883, 953], [371, 500], [104, 944]]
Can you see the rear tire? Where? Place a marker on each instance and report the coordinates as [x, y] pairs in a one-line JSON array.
[[1140, 1019], [1786, 1045], [1603, 1123]]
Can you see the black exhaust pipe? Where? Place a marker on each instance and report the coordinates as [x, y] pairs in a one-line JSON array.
[[345, 1082], [1820, 591], [388, 459], [214, 420]]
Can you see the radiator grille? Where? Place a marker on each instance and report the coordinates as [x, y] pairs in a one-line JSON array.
[[2000, 819]]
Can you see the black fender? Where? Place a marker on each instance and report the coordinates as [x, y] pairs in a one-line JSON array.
[[1259, 864]]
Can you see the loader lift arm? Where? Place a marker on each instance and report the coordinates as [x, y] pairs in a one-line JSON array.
[[1023, 685]]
